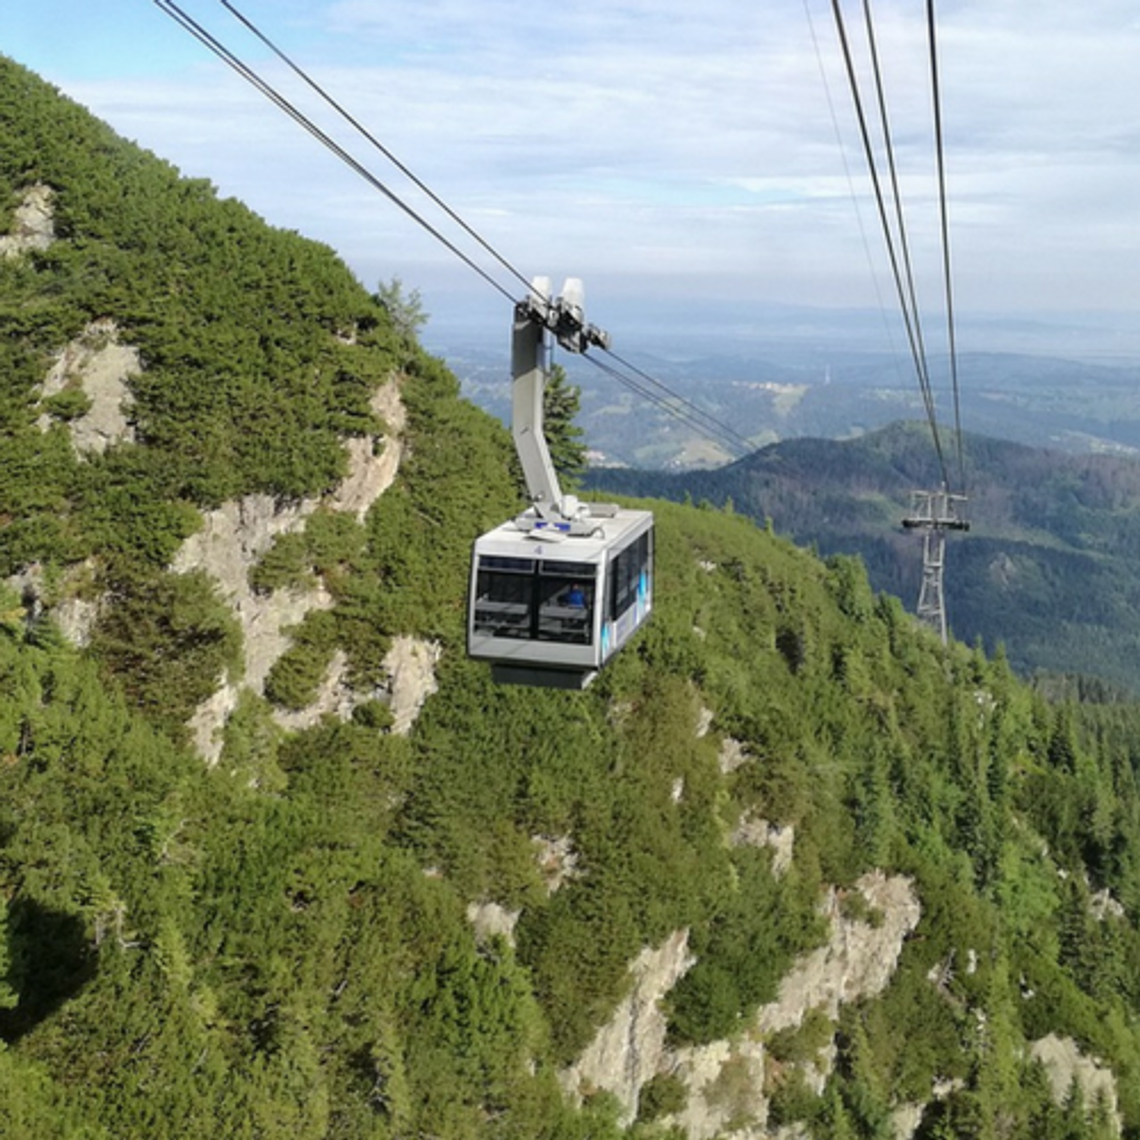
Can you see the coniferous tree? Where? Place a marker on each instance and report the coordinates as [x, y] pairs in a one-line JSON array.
[[560, 404]]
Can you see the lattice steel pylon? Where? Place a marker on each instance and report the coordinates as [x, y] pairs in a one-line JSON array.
[[934, 513]]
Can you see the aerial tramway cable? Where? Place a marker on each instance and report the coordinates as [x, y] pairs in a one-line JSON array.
[[901, 224], [933, 513], [672, 403], [705, 425], [909, 317], [936, 90], [371, 138], [250, 76]]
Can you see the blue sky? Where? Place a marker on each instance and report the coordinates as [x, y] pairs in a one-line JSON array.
[[662, 150]]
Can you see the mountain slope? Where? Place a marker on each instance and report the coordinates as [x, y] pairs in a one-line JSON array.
[[389, 922]]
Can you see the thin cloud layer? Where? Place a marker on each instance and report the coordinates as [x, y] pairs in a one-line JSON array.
[[660, 141]]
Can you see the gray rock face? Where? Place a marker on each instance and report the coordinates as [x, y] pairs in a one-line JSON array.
[[100, 366], [725, 1080], [34, 224], [237, 535]]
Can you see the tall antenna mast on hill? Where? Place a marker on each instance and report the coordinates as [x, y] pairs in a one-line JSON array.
[[934, 513]]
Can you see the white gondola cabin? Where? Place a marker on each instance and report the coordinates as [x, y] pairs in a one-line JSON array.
[[559, 590], [552, 613]]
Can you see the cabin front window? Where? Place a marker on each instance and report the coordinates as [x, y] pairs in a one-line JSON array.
[[533, 600]]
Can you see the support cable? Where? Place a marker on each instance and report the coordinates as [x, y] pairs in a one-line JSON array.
[[943, 209], [848, 175], [375, 142], [885, 222], [250, 76], [665, 398], [694, 415], [721, 434], [900, 221]]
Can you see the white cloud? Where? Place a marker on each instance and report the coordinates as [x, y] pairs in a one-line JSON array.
[[666, 140]]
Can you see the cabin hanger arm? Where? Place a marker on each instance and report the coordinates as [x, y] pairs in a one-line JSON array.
[[537, 319]]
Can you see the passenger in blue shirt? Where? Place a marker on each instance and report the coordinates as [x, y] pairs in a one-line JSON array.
[[575, 597]]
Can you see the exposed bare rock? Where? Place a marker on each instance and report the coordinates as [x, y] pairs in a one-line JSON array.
[[725, 1080], [1065, 1063], [858, 960], [627, 1052], [76, 618], [757, 832], [334, 697], [704, 722], [238, 534], [74, 614], [733, 755], [411, 665], [491, 920], [234, 537], [210, 718], [905, 1120], [726, 1085], [97, 363], [29, 586], [34, 224], [557, 860], [231, 541], [1103, 905], [373, 462]]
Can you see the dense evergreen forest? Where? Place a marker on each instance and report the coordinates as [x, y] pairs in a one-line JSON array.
[[1048, 568], [278, 944]]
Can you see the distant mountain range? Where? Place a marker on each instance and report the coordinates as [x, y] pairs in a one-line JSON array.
[[1049, 567], [822, 376]]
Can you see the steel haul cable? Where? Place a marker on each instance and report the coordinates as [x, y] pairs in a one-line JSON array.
[[675, 404], [917, 352]]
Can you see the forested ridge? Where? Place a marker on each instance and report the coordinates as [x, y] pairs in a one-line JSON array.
[[279, 944], [1048, 568]]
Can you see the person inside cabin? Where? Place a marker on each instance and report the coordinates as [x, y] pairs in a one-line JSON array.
[[575, 597]]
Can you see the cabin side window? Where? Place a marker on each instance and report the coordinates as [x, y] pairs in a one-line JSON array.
[[629, 568]]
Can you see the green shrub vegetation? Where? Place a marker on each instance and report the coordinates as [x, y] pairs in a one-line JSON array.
[[279, 944]]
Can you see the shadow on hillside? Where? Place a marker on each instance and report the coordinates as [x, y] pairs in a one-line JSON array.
[[50, 961]]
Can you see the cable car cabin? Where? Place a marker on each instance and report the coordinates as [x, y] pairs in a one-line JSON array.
[[552, 613]]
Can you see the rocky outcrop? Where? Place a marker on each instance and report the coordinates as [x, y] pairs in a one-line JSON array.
[[411, 665], [628, 1051], [373, 462], [492, 920], [33, 227], [238, 534], [859, 959], [232, 540], [1065, 1063], [557, 860], [725, 1080], [97, 364], [755, 831]]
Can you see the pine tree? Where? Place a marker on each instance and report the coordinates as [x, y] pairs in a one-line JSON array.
[[560, 404]]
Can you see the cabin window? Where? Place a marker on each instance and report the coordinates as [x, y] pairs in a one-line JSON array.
[[627, 571], [534, 600], [566, 602], [504, 595]]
